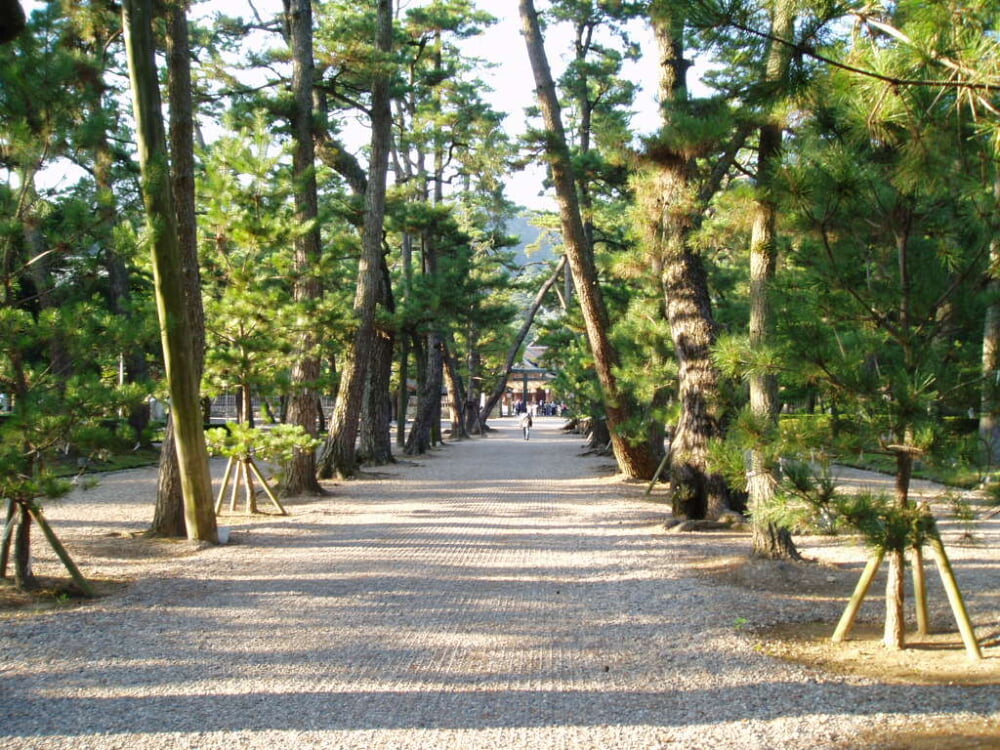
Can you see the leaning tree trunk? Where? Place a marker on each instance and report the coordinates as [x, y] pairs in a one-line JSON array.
[[168, 514], [769, 540], [340, 451], [176, 329], [303, 406], [635, 459]]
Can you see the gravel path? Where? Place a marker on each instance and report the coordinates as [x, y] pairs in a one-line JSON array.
[[496, 594]]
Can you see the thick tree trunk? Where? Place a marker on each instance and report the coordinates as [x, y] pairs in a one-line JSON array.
[[375, 438], [635, 460], [168, 514], [455, 389], [176, 329], [422, 436], [696, 490], [768, 539], [303, 406], [24, 577], [340, 451]]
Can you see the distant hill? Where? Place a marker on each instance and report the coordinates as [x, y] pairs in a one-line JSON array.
[[530, 252]]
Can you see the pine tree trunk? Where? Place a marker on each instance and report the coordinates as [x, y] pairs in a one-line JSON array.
[[635, 459], [24, 577], [768, 539], [989, 410], [696, 491], [303, 404], [339, 454], [455, 389], [168, 514], [375, 443], [176, 328], [422, 433]]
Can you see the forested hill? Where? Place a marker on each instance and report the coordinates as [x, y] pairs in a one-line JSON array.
[[530, 251]]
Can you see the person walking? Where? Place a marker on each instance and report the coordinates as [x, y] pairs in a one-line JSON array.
[[526, 425]]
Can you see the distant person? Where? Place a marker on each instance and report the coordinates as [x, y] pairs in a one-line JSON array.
[[526, 425]]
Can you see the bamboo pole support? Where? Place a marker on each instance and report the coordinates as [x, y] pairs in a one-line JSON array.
[[860, 592], [920, 591], [250, 492], [82, 583], [234, 490], [955, 599], [267, 488], [226, 477], [659, 470]]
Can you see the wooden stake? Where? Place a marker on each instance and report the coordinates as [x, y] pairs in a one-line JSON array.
[[920, 591], [860, 592], [225, 484], [267, 488], [955, 598], [8, 531], [82, 583]]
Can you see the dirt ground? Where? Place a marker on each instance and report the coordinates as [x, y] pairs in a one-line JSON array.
[[938, 658]]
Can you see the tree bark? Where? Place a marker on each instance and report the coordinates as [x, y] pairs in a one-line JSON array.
[[455, 388], [989, 410], [176, 329], [768, 539], [696, 491], [303, 406], [168, 514], [374, 438], [339, 454], [635, 460]]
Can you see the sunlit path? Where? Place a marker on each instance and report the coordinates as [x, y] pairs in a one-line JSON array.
[[497, 593]]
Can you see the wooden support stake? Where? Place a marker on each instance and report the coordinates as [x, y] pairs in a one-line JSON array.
[[236, 485], [267, 488], [8, 532], [955, 599], [249, 491], [920, 591], [860, 592], [659, 470], [225, 484], [82, 583]]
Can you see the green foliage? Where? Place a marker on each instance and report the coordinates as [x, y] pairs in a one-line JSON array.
[[279, 443]]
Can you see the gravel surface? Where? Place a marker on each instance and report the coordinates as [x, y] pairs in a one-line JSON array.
[[496, 594]]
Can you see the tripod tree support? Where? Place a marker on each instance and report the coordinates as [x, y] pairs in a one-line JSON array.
[[240, 471], [955, 599], [36, 513]]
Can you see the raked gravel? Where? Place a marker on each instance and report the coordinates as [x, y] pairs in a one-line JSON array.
[[495, 594]]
